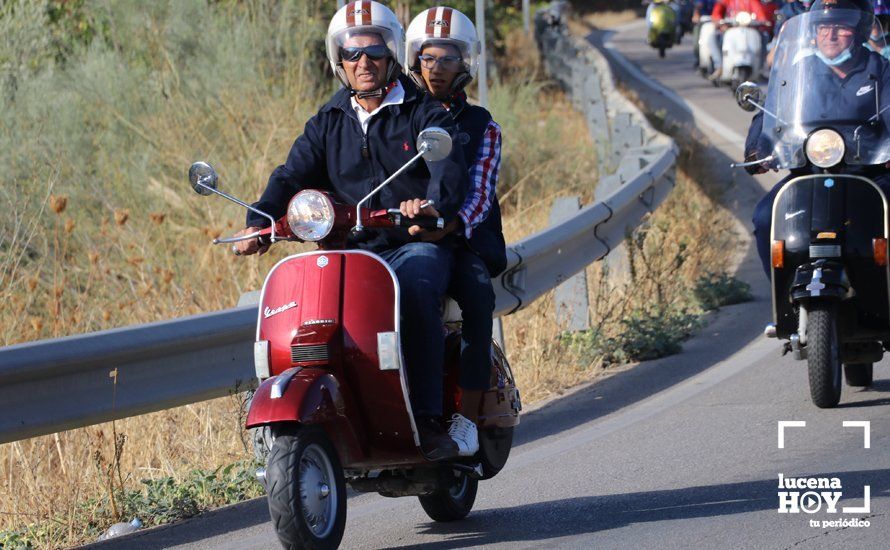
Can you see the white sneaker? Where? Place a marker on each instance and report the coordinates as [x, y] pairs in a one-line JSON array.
[[463, 432]]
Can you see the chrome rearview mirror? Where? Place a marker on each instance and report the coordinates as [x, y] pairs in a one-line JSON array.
[[434, 143], [749, 96], [203, 178], [205, 181]]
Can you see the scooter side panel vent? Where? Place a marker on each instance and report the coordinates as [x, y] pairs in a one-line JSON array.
[[310, 353], [825, 251]]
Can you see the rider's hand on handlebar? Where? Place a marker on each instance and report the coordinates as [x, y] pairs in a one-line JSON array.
[[410, 209], [250, 246]]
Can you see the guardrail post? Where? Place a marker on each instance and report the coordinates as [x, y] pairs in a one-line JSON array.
[[572, 304]]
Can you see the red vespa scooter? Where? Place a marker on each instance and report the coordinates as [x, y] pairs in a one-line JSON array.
[[333, 405]]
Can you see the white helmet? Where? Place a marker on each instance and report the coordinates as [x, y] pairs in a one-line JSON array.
[[365, 16], [443, 26]]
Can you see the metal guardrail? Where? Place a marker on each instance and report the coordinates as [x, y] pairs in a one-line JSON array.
[[53, 385]]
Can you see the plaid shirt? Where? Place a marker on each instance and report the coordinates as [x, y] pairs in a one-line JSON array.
[[483, 179]]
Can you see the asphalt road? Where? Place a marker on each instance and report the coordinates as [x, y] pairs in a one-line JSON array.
[[675, 453]]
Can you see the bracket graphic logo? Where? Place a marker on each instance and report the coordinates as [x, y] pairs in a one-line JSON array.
[[813, 494]]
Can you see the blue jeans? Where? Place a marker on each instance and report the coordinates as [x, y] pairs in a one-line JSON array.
[[424, 272], [471, 289], [763, 216]]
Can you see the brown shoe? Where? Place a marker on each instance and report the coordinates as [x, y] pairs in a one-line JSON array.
[[435, 442]]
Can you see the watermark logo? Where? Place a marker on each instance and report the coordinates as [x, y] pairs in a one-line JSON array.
[[810, 495]]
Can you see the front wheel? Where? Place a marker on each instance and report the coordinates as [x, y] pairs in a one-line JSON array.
[[453, 500], [307, 492], [859, 375], [823, 355]]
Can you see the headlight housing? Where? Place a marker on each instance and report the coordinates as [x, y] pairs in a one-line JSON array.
[[825, 148], [310, 215], [743, 19]]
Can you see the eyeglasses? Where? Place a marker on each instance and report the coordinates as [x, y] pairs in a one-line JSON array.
[[447, 62], [375, 52], [841, 30]]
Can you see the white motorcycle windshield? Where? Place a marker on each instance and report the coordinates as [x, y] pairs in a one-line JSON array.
[[806, 93]]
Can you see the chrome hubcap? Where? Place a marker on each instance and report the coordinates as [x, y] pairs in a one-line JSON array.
[[318, 496]]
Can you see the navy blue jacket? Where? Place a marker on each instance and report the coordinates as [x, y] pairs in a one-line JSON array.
[[334, 155], [487, 240]]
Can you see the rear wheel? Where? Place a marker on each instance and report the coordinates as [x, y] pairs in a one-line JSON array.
[[823, 355], [453, 500], [859, 374], [661, 51], [307, 492]]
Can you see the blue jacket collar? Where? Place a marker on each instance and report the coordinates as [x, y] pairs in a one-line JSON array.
[[341, 98]]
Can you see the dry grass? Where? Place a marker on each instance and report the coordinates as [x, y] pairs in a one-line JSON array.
[[119, 238]]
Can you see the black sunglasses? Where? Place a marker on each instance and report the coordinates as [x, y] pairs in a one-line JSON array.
[[376, 52]]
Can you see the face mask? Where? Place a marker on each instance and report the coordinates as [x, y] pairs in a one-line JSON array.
[[839, 60]]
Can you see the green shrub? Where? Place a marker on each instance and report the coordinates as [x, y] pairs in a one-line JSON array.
[[714, 290], [642, 336]]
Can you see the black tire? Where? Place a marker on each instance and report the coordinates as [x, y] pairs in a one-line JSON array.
[[823, 355], [306, 489], [859, 375], [494, 450], [742, 74], [453, 501], [661, 51]]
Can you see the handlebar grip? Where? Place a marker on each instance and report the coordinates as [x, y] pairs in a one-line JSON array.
[[425, 222]]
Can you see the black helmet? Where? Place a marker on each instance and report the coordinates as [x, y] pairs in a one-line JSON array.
[[858, 14]]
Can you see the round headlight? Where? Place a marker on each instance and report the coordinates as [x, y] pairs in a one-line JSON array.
[[743, 19], [825, 148], [310, 215]]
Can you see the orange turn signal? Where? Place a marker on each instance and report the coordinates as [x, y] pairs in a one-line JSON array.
[[778, 255], [880, 249], [827, 235]]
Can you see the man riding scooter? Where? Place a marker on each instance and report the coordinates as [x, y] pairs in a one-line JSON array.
[[441, 57], [843, 76], [364, 133], [728, 9]]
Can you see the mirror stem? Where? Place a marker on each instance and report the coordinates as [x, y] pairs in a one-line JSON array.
[[244, 204], [762, 108], [424, 147]]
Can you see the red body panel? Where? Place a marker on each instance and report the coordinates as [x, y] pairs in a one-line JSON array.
[[341, 299]]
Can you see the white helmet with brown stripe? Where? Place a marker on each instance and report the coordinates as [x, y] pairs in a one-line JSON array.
[[362, 17], [442, 26]]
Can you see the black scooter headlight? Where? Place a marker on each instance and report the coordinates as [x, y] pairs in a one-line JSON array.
[[825, 148]]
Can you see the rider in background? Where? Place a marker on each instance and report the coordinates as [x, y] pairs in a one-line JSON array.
[[441, 57], [702, 8], [788, 10], [844, 77], [880, 31], [728, 9]]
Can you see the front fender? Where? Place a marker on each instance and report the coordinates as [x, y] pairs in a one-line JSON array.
[[820, 279], [311, 396]]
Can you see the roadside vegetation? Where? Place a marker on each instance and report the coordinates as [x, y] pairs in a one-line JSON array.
[[106, 104]]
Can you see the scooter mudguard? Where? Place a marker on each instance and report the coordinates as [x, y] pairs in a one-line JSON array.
[[820, 279], [306, 396]]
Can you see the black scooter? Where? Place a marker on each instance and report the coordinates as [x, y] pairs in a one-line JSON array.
[[829, 264]]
